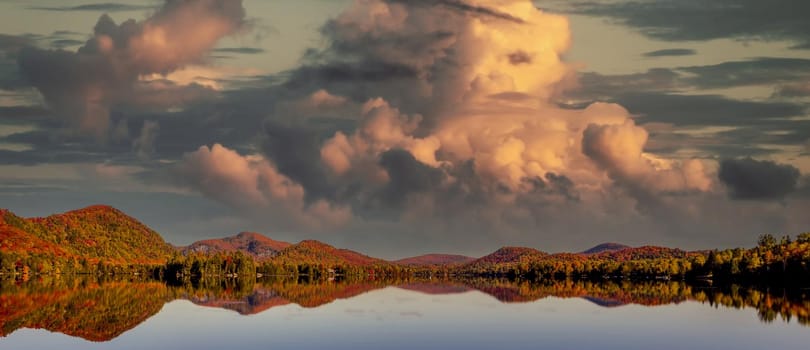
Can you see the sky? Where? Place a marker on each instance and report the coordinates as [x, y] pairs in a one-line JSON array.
[[399, 127]]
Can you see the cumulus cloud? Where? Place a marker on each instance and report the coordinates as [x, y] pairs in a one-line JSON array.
[[752, 179], [254, 185], [81, 86], [418, 118], [417, 123], [619, 149], [453, 104]]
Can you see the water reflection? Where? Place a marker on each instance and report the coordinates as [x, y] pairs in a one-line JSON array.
[[101, 310]]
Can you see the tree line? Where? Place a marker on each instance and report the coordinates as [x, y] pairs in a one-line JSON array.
[[784, 261]]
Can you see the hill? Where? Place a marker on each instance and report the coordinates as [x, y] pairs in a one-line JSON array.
[[14, 238], [434, 259], [605, 247], [315, 252], [642, 253], [254, 244], [503, 258], [93, 233], [507, 255]]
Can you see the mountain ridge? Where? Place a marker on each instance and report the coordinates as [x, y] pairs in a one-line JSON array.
[[255, 244], [605, 247], [81, 234]]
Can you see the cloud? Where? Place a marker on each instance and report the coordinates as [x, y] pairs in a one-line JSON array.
[[782, 74], [103, 71], [751, 179], [455, 109], [99, 7], [239, 50], [465, 7], [417, 123], [670, 52], [751, 72], [619, 150], [254, 185], [687, 20], [801, 89], [10, 44], [684, 110], [144, 145]]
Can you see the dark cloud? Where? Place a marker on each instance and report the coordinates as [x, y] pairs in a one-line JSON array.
[[24, 114], [10, 46], [12, 43], [459, 5], [596, 86], [705, 110], [793, 90], [564, 185], [64, 43], [105, 69], [335, 73], [407, 175], [686, 20], [758, 71], [786, 75], [239, 50], [99, 7], [670, 52], [296, 151], [752, 179]]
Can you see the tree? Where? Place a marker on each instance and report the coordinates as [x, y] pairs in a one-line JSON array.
[[766, 241]]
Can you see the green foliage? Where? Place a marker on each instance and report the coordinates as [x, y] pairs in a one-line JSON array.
[[102, 238]]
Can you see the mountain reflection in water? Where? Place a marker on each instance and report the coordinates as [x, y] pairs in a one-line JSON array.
[[101, 310]]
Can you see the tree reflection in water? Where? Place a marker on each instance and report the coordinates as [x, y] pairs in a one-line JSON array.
[[102, 309]]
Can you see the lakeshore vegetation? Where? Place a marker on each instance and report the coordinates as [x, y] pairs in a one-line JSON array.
[[103, 240]]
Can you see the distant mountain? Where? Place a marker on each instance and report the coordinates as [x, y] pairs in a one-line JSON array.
[[606, 247], [315, 252], [255, 244], [434, 259], [94, 232], [509, 255], [104, 233]]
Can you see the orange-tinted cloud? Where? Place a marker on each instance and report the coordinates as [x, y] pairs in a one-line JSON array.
[[490, 84], [255, 186], [81, 86]]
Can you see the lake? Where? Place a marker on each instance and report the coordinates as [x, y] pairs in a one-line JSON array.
[[476, 313]]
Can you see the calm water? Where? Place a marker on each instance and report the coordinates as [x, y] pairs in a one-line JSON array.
[[471, 314]]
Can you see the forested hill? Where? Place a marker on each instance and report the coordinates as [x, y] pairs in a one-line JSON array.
[[102, 239], [93, 233], [254, 244], [315, 252]]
